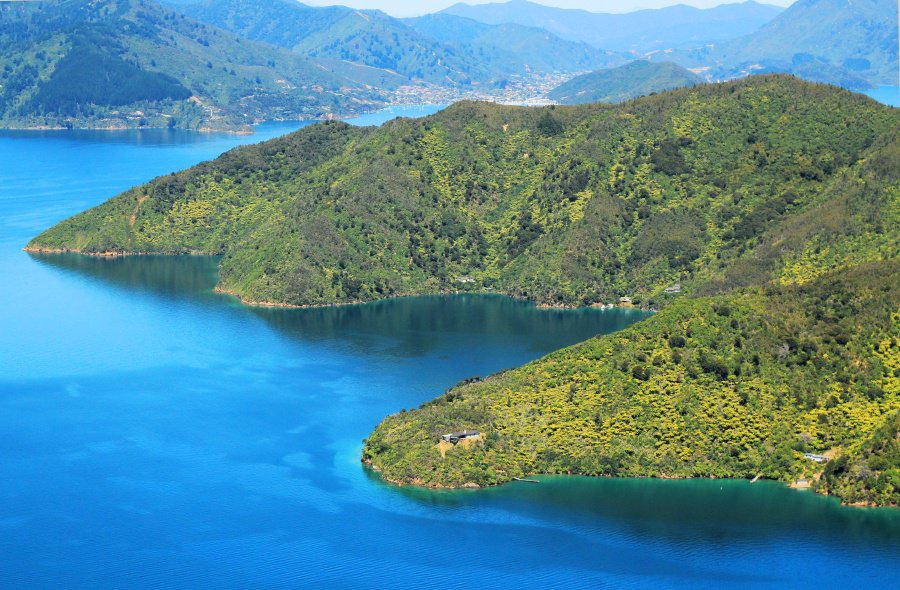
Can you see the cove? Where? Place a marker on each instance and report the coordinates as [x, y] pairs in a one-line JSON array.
[[159, 435]]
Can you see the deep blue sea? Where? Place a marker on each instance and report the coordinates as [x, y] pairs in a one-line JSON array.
[[154, 434]]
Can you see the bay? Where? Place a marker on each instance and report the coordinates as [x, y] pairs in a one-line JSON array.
[[156, 434]]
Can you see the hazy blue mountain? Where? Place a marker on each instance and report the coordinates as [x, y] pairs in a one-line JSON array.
[[439, 49], [638, 78], [512, 48], [641, 31], [841, 41], [129, 63], [340, 35]]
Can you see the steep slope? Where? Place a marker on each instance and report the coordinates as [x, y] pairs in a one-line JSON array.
[[634, 79], [133, 63], [640, 31], [855, 39], [565, 206]]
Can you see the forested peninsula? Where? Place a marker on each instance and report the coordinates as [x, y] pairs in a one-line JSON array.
[[772, 203]]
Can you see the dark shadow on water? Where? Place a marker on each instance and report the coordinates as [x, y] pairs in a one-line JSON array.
[[185, 276], [405, 327], [703, 509], [411, 323]]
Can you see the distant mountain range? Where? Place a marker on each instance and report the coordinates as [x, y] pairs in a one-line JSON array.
[[437, 49], [512, 49], [224, 64], [638, 78], [131, 63], [853, 44], [641, 31]]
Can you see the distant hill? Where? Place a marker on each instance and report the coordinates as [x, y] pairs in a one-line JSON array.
[[634, 79], [340, 35], [512, 48], [641, 31], [850, 43], [437, 49], [130, 63]]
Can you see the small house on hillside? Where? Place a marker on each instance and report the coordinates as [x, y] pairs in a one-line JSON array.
[[816, 458], [624, 300], [676, 288], [455, 437]]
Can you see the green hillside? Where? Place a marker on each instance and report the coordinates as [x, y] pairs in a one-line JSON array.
[[564, 206], [638, 78], [736, 386], [775, 203], [130, 63]]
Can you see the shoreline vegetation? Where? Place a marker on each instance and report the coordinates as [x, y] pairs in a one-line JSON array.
[[760, 216], [707, 388], [277, 304]]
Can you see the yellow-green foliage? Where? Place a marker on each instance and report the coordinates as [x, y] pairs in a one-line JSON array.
[[730, 386], [711, 187]]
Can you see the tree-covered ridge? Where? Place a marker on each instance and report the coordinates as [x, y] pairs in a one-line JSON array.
[[121, 63], [434, 49], [565, 206], [736, 385], [368, 37], [631, 80]]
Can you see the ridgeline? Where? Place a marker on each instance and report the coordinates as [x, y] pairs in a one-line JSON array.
[[565, 206]]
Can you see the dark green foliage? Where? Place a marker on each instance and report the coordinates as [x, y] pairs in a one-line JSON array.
[[871, 474], [86, 76], [566, 206], [549, 125], [668, 158]]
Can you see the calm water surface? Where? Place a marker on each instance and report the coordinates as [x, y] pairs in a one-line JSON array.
[[156, 435]]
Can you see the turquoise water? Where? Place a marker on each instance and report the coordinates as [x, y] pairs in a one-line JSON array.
[[158, 435], [889, 95]]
